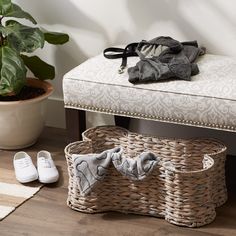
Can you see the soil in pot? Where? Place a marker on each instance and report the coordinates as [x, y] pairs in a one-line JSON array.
[[27, 92]]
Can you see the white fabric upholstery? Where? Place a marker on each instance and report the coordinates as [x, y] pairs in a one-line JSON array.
[[209, 100]]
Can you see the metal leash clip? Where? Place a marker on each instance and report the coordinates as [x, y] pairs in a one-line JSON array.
[[121, 69]]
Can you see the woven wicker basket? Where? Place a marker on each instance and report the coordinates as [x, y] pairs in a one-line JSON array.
[[184, 189]]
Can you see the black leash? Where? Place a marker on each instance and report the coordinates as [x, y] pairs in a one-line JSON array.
[[115, 53]]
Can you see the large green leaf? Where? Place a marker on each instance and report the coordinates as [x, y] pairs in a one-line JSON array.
[[24, 38], [5, 6], [17, 12], [13, 71], [39, 68], [56, 38]]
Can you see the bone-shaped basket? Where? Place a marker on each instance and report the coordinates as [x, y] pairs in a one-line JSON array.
[[184, 188]]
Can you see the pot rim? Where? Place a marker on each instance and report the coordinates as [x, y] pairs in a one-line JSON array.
[[34, 83]]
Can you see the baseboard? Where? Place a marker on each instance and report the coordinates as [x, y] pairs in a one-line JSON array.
[[55, 113]]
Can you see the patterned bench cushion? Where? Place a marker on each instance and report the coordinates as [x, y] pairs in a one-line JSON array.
[[209, 100]]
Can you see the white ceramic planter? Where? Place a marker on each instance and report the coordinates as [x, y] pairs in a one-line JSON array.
[[21, 122]]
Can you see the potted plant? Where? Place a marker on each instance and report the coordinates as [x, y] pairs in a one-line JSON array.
[[22, 100]]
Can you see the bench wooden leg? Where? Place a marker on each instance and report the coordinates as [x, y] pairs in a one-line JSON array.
[[122, 121], [75, 124]]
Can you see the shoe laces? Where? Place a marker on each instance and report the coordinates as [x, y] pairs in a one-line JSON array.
[[23, 163], [44, 162]]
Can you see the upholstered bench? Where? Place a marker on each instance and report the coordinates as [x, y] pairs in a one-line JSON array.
[[208, 100]]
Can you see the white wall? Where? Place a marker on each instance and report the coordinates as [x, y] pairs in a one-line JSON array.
[[95, 25]]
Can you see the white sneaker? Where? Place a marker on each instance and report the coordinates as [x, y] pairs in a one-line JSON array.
[[25, 170], [47, 170]]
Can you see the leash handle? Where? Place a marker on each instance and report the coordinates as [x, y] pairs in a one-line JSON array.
[[115, 53]]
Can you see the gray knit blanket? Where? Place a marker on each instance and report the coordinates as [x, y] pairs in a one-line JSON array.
[[90, 169]]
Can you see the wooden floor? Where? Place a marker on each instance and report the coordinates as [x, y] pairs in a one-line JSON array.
[[46, 214]]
